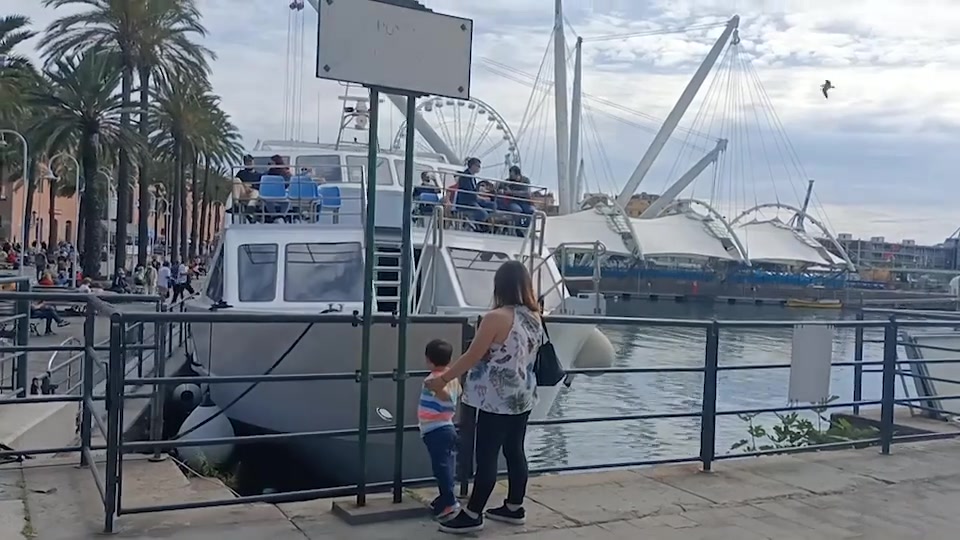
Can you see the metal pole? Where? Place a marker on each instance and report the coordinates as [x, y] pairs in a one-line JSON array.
[[114, 389], [21, 382], [560, 108], [25, 226], [368, 295], [857, 368], [889, 386], [89, 340], [708, 418], [159, 370], [403, 315]]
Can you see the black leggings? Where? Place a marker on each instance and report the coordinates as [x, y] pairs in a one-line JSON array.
[[496, 431]]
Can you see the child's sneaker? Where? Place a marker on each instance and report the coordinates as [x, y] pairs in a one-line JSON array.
[[505, 515], [446, 514], [462, 523]]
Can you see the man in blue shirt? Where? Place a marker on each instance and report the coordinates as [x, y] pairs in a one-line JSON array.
[[467, 201]]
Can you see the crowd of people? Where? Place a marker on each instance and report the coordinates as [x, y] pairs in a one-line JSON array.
[[482, 204]]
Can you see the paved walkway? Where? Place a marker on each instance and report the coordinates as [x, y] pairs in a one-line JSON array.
[[914, 493]]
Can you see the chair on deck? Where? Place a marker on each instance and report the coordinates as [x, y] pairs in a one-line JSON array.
[[303, 195], [330, 199], [273, 196]]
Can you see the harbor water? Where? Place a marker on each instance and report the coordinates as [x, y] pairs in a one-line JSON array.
[[650, 393]]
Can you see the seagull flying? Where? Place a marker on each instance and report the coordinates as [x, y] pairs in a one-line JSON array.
[[826, 87]]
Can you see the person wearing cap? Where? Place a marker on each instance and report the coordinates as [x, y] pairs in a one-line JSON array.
[[467, 200], [246, 185]]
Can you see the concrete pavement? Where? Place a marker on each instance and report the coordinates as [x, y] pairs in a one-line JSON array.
[[857, 494]]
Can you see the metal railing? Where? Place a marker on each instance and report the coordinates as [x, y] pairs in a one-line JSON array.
[[123, 346]]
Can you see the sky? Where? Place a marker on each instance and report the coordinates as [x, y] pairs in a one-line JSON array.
[[879, 149]]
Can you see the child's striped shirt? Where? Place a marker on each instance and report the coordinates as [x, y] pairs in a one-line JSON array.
[[435, 412]]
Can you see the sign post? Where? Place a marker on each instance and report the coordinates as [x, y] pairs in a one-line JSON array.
[[396, 47]]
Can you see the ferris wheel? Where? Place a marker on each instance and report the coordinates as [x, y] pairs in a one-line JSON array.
[[471, 128]]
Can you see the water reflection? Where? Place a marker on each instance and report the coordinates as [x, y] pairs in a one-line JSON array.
[[628, 394]]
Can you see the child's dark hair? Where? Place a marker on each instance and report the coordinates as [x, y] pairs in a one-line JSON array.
[[439, 352]]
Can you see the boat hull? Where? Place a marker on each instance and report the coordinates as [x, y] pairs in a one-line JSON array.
[[327, 405]]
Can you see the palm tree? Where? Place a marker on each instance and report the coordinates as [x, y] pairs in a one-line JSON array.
[[220, 148], [164, 49], [16, 77], [180, 107], [79, 102]]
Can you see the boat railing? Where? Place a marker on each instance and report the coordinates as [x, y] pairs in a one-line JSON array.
[[495, 206], [425, 266], [597, 249], [305, 197]]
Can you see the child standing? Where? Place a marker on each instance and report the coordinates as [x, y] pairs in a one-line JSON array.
[[435, 412]]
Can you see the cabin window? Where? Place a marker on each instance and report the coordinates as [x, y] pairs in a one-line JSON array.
[[215, 282], [475, 271], [323, 273], [357, 164], [418, 169], [263, 163], [326, 167], [257, 272]]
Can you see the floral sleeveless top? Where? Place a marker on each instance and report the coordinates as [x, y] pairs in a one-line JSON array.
[[503, 382]]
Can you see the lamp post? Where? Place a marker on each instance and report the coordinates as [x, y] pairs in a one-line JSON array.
[[77, 191], [25, 229]]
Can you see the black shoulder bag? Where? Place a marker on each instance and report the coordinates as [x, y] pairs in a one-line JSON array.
[[547, 367]]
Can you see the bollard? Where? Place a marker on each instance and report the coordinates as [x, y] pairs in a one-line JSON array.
[[708, 417]]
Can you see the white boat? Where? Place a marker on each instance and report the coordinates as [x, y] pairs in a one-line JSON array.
[[316, 264]]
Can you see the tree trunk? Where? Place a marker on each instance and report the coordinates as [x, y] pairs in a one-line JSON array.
[[51, 217], [175, 225], [204, 206], [194, 206], [30, 185], [91, 208], [123, 167], [156, 223], [143, 229], [182, 202]]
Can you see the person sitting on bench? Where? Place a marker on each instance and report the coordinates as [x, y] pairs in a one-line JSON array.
[[39, 310]]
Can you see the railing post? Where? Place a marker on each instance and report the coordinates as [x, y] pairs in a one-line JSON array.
[[159, 370], [858, 368], [21, 382], [369, 302], [708, 417], [114, 390], [468, 425], [89, 340], [403, 315], [889, 387]]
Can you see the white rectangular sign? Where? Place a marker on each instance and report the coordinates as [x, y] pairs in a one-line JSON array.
[[378, 44]]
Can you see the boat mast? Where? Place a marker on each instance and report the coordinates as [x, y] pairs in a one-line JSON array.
[[560, 100], [676, 114], [573, 178]]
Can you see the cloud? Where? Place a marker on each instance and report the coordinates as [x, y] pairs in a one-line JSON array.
[[880, 148]]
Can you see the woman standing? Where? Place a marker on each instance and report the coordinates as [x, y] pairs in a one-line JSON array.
[[502, 386]]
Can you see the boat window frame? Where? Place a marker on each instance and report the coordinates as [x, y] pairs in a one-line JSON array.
[[240, 266], [216, 279], [336, 178], [359, 163], [286, 273], [453, 252]]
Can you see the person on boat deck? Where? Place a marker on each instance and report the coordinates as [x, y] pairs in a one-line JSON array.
[[279, 168], [427, 193], [515, 197], [248, 175], [467, 201], [246, 188]]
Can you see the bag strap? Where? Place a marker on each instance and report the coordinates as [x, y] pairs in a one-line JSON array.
[[543, 324]]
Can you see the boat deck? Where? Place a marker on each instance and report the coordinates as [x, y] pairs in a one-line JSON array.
[[912, 493]]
